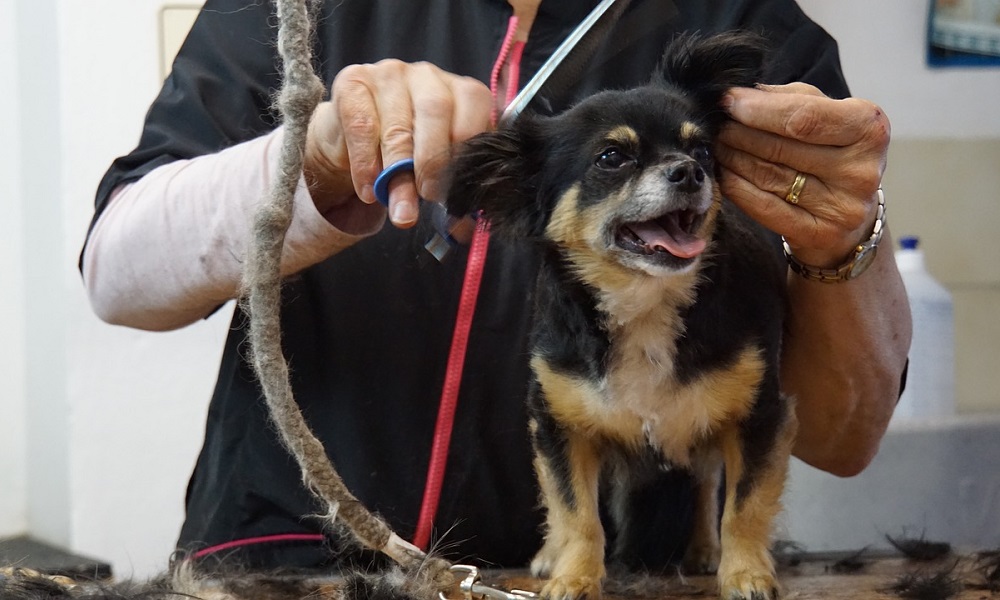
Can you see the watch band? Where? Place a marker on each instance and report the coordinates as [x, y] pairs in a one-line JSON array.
[[856, 264]]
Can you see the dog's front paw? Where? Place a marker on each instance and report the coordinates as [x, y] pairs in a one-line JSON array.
[[701, 559], [572, 588], [749, 585]]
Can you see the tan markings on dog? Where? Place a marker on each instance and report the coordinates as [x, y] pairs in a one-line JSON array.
[[746, 565], [624, 135], [643, 403], [581, 235], [573, 552], [682, 416], [581, 404], [562, 224], [689, 131]]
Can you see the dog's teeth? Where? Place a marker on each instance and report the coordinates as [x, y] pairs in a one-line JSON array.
[[632, 236]]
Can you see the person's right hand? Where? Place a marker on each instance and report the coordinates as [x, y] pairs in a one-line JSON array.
[[382, 113]]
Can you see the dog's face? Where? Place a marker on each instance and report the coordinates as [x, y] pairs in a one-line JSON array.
[[633, 181], [623, 180]]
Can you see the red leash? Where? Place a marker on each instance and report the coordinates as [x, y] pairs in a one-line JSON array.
[[463, 324], [452, 383]]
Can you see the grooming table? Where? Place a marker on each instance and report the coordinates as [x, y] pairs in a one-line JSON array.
[[839, 576], [836, 576], [803, 576]]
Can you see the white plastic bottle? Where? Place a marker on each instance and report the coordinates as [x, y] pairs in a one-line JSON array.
[[930, 383]]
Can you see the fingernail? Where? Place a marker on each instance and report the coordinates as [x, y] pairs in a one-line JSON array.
[[368, 194], [727, 101], [429, 191], [403, 214]]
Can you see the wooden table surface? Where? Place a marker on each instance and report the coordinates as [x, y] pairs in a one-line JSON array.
[[859, 576], [846, 577], [842, 576]]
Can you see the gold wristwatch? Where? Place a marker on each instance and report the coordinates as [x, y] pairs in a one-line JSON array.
[[856, 264]]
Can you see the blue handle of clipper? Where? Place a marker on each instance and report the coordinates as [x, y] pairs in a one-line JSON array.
[[381, 186]]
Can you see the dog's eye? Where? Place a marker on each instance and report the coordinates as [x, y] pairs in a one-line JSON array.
[[702, 153], [612, 158]]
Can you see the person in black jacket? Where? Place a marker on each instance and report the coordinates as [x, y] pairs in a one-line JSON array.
[[368, 317]]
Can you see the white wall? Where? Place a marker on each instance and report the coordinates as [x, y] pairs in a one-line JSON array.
[[882, 51], [13, 500], [111, 418], [105, 423], [138, 399], [44, 248]]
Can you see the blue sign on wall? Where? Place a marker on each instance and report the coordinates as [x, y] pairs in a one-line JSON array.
[[963, 33]]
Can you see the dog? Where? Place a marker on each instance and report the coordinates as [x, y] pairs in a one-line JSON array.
[[659, 310]]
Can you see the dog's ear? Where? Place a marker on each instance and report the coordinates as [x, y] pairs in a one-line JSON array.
[[704, 67], [496, 173]]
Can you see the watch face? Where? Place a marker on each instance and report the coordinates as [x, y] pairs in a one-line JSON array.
[[862, 261]]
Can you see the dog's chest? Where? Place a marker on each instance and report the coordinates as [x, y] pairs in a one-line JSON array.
[[644, 399], [613, 372], [642, 388]]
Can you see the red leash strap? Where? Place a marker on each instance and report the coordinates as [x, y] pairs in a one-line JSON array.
[[460, 338], [264, 539], [452, 383]]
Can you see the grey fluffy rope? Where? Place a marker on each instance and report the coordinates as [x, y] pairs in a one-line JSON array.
[[301, 92]]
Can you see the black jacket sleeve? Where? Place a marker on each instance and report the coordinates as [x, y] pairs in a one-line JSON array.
[[218, 93]]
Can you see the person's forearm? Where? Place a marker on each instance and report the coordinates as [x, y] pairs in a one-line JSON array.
[[844, 351], [169, 248]]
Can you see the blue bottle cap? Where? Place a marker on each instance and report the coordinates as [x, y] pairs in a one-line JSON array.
[[909, 242]]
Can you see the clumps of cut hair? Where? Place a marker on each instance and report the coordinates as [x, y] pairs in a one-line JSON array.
[[987, 566], [939, 585], [787, 553], [920, 549], [184, 581], [17, 583], [925, 584], [623, 582], [854, 563], [393, 584]]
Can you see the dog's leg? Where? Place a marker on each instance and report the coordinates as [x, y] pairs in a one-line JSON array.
[[702, 555], [573, 553], [753, 499]]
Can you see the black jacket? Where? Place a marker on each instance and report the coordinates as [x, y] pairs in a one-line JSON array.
[[367, 331]]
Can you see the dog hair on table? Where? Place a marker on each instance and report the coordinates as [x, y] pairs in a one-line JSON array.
[[184, 582]]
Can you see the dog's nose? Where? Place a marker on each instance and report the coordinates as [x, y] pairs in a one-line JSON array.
[[687, 175]]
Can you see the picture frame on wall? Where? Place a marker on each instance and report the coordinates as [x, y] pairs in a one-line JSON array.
[[963, 33]]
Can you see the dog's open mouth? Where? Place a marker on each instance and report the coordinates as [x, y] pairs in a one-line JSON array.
[[673, 233]]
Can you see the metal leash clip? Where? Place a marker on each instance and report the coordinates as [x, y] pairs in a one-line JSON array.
[[473, 588]]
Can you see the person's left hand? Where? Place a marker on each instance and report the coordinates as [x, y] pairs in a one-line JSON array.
[[839, 145]]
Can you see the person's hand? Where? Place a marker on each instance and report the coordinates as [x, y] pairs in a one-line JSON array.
[[382, 113], [838, 145]]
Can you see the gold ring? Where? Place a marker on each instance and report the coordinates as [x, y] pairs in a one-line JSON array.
[[792, 197]]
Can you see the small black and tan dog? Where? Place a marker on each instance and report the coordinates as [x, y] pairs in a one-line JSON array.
[[659, 315]]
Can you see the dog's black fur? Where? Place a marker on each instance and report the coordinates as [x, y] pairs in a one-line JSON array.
[[659, 314]]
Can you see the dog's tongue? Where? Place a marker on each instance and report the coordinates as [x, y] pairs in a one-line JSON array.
[[671, 238]]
